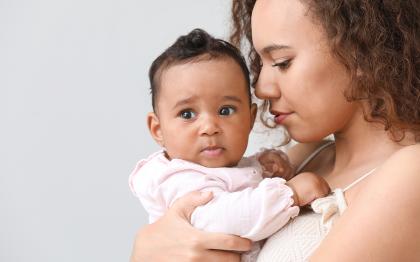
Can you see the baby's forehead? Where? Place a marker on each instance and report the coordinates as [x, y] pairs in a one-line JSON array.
[[228, 62], [203, 60], [178, 81]]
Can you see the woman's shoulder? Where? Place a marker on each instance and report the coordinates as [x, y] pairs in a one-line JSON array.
[[410, 152], [397, 179], [403, 165], [385, 212]]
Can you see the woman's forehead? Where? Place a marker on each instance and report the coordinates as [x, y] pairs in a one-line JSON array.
[[282, 23]]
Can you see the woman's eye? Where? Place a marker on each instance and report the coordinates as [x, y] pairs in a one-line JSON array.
[[283, 65], [187, 114], [226, 110]]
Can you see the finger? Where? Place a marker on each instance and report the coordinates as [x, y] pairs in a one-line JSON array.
[[225, 256], [226, 242], [186, 204]]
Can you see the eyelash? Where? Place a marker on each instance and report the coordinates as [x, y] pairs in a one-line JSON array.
[[283, 65], [194, 114], [180, 114], [227, 107]]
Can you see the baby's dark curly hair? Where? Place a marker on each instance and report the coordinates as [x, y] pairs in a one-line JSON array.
[[196, 46], [378, 41]]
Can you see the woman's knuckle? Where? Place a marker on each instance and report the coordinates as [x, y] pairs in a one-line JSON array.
[[195, 242], [193, 256], [229, 242]]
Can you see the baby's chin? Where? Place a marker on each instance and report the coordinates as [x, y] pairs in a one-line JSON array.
[[218, 163]]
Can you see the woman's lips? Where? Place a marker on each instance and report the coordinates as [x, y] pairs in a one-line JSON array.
[[280, 117]]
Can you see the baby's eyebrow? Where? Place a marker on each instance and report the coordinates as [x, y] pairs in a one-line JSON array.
[[232, 98], [185, 101]]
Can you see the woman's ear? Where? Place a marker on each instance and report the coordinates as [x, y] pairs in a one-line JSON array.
[[254, 109], [154, 128]]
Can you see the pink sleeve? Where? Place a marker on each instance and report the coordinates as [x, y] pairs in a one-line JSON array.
[[158, 184], [158, 187], [253, 213]]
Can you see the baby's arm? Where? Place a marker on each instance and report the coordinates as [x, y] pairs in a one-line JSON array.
[[253, 213], [257, 213], [307, 187]]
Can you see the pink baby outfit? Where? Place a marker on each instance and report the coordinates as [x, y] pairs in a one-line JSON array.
[[244, 203]]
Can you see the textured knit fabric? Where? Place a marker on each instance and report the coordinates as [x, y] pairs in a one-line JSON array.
[[298, 239]]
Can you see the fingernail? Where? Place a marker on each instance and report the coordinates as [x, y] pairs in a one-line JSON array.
[[205, 194]]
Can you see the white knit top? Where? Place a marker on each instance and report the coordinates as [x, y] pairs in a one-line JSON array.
[[297, 240]]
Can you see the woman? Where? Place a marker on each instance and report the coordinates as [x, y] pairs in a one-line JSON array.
[[347, 68]]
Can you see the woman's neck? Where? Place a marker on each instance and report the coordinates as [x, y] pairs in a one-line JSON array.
[[362, 146]]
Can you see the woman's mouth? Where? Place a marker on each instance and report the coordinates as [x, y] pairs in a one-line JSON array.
[[280, 117]]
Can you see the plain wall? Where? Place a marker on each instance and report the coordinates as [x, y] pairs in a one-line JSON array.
[[73, 100]]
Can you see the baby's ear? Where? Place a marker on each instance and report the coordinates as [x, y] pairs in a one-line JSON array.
[[254, 109], [154, 128]]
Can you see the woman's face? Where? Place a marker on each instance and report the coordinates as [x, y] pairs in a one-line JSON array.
[[301, 80]]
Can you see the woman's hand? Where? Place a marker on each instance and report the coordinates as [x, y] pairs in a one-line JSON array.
[[172, 238]]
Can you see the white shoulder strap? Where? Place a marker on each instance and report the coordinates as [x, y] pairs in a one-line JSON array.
[[358, 180]]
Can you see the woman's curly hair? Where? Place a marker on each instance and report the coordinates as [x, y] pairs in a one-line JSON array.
[[378, 41]]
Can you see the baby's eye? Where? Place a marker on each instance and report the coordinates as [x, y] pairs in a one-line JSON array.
[[187, 114], [226, 110]]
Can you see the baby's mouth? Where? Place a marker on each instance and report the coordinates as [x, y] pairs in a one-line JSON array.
[[213, 151]]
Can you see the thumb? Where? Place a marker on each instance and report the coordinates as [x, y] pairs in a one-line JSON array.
[[185, 205]]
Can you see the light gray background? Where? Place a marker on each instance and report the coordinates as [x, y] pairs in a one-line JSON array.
[[73, 100]]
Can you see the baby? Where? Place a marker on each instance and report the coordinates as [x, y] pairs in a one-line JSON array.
[[202, 117]]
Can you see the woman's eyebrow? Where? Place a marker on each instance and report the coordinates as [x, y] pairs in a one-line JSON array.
[[274, 47]]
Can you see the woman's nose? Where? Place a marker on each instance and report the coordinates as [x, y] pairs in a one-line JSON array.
[[210, 126], [267, 87]]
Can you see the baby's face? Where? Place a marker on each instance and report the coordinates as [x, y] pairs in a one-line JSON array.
[[203, 113]]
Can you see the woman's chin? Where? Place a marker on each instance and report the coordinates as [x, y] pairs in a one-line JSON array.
[[305, 137]]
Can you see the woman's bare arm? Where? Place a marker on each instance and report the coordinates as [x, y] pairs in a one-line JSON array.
[[172, 238], [382, 223]]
